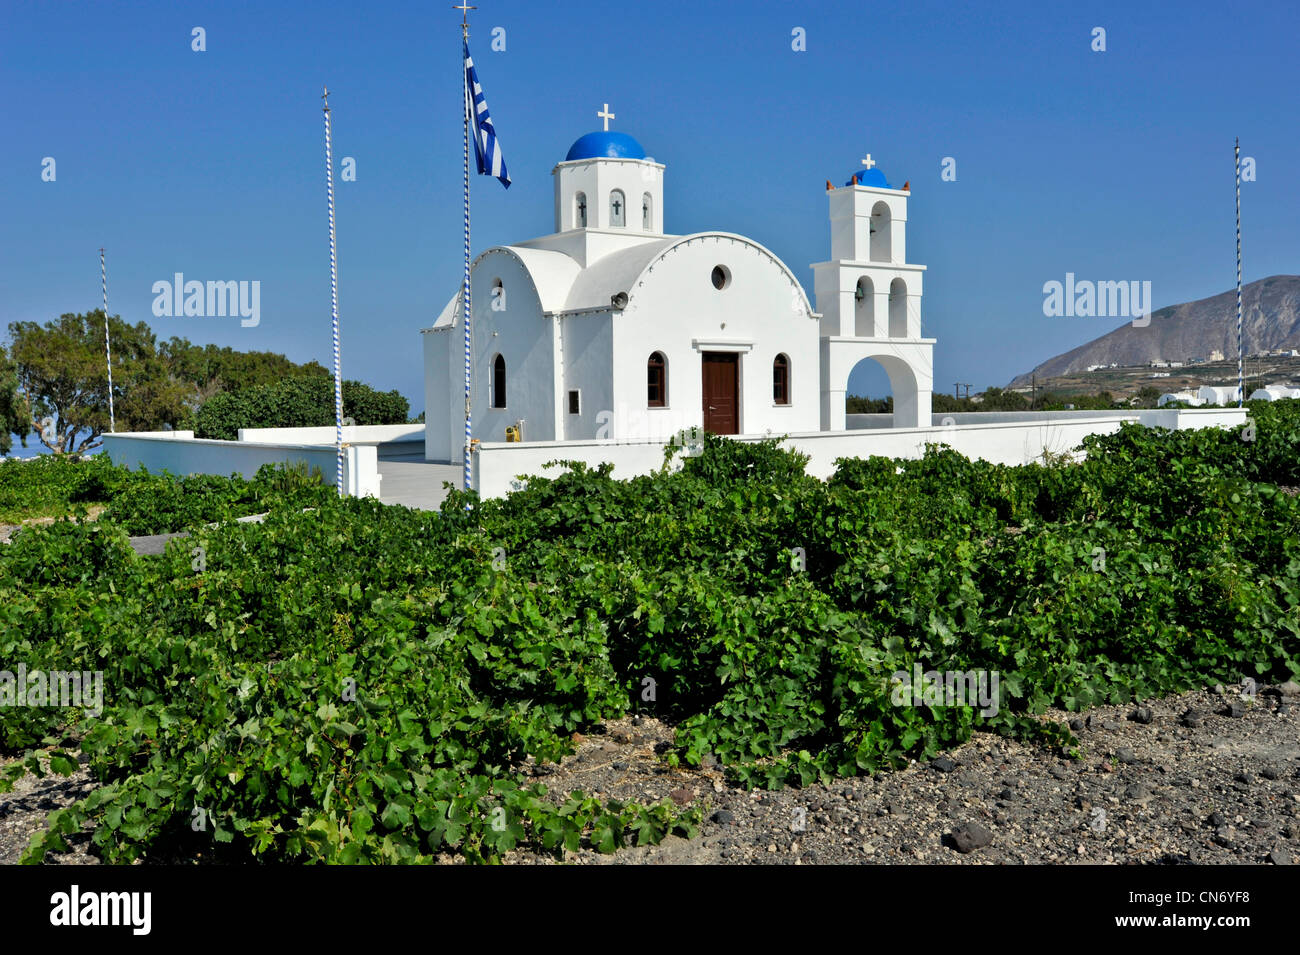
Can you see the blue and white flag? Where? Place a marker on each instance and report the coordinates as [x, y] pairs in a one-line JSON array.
[[486, 147]]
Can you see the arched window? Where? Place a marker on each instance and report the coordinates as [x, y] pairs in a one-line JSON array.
[[864, 309], [898, 309], [656, 394], [499, 382], [617, 208], [881, 248], [781, 380], [646, 210], [580, 210]]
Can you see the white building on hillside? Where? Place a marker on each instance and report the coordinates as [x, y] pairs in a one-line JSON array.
[[1188, 398], [1274, 393], [1218, 394], [611, 328]]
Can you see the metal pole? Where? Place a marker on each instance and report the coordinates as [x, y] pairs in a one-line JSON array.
[[108, 351], [1241, 377], [334, 303], [465, 300]]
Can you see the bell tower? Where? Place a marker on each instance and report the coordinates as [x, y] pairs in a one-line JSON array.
[[606, 182], [870, 298]]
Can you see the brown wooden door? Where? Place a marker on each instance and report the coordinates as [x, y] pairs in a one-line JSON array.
[[721, 378]]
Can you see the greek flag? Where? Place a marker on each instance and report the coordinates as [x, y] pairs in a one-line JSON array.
[[486, 147]]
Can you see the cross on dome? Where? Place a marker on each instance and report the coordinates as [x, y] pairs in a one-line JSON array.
[[868, 162], [606, 115]]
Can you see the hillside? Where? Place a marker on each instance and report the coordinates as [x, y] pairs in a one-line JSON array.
[[1270, 320]]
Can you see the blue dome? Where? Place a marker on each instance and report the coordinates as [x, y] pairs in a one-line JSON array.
[[870, 177], [605, 145]]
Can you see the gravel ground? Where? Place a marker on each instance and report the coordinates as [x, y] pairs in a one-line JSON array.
[[1173, 781], [1205, 777]]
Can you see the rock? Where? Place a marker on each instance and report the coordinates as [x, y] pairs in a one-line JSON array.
[[620, 766], [662, 747], [1269, 772], [1126, 755], [1218, 819], [1235, 710], [709, 761], [600, 729], [1007, 793], [1143, 714], [1138, 794], [619, 736], [1279, 857], [1077, 724], [637, 721], [1224, 835], [969, 837], [943, 764], [723, 817], [1109, 725], [1193, 719], [1290, 689], [681, 796], [1246, 778]]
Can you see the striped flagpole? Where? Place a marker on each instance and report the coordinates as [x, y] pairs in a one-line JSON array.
[[465, 303], [334, 303], [1241, 377], [108, 350]]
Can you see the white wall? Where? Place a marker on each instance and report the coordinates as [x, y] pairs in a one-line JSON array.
[[180, 453], [676, 310], [355, 434], [587, 348], [497, 465], [437, 410]]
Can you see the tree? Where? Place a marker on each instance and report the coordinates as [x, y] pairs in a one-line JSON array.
[[1147, 397], [64, 381], [995, 399], [210, 370], [14, 418], [296, 403]]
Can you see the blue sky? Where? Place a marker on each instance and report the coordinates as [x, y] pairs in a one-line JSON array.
[[1113, 165]]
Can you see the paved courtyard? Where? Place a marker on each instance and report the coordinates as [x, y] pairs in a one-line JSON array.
[[410, 480]]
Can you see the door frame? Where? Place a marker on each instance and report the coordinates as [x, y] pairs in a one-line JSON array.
[[736, 363]]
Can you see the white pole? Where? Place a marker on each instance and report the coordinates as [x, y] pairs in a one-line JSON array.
[[465, 302], [334, 303], [1241, 378], [108, 351]]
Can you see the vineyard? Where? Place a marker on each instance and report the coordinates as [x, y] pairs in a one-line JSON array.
[[351, 682]]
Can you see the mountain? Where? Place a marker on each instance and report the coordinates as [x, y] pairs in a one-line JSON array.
[[1270, 319]]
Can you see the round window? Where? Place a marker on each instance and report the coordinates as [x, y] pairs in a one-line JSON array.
[[721, 277]]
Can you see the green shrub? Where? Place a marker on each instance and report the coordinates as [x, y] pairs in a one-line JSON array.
[[306, 402]]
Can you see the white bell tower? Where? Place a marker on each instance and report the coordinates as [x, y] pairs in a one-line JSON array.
[[870, 299], [608, 193]]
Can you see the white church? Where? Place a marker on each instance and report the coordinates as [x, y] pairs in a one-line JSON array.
[[611, 328]]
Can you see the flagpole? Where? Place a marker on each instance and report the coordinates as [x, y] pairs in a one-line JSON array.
[[1241, 380], [108, 351], [334, 305], [465, 299]]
